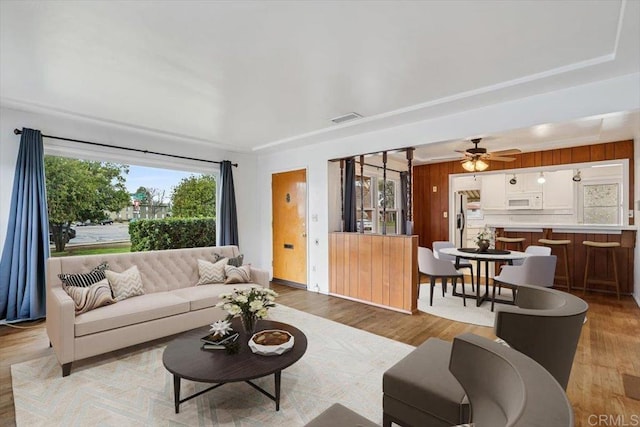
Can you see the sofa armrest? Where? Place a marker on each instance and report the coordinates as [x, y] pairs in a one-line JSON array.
[[260, 277], [61, 323]]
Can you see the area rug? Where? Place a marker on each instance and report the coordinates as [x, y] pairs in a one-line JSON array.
[[450, 307], [342, 364]]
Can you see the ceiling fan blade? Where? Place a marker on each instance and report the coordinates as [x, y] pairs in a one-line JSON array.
[[460, 151], [501, 159], [509, 152]]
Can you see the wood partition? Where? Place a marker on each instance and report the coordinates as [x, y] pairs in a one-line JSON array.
[[375, 269]]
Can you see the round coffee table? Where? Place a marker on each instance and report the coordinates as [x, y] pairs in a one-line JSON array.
[[185, 358]]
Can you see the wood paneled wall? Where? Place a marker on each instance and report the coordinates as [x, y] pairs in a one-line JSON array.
[[376, 269], [429, 205]]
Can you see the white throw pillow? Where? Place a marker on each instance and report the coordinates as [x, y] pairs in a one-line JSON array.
[[211, 272], [126, 284], [87, 298], [238, 274]]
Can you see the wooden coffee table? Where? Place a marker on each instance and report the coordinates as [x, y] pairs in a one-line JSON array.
[[184, 358]]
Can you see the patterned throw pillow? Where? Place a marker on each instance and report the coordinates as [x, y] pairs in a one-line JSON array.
[[235, 261], [87, 298], [126, 284], [211, 272], [238, 274], [85, 279]]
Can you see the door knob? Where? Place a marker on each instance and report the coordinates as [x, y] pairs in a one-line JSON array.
[[304, 234]]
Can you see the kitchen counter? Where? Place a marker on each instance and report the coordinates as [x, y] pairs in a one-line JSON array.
[[601, 266], [566, 228]]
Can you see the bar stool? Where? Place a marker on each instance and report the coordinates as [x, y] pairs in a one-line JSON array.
[[518, 241], [563, 244], [611, 248]]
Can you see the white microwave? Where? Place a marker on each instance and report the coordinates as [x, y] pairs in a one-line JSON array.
[[531, 200]]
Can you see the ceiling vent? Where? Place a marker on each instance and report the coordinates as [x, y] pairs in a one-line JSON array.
[[346, 118]]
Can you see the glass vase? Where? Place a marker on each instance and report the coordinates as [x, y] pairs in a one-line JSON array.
[[249, 322]]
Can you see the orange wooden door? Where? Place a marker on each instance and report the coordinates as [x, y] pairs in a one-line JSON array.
[[289, 204]]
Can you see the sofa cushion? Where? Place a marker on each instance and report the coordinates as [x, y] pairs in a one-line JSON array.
[[237, 274], [235, 261], [85, 279], [142, 308], [88, 298], [126, 284], [211, 272], [205, 296]]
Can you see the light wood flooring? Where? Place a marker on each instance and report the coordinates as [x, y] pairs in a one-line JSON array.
[[609, 347]]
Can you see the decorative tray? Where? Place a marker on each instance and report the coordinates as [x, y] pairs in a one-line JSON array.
[[272, 342], [488, 251]]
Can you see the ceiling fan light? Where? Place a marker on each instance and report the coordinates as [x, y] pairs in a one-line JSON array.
[[481, 165], [469, 166], [475, 165], [541, 179]]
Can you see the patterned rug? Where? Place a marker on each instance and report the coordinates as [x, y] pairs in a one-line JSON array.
[[450, 307], [342, 364]]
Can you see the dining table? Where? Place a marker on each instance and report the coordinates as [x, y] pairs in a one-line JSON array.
[[490, 255]]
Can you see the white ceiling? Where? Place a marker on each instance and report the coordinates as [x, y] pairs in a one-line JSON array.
[[255, 75]]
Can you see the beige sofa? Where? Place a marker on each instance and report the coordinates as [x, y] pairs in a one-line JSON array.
[[171, 303]]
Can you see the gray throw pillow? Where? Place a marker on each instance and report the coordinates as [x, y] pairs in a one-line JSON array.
[[235, 261]]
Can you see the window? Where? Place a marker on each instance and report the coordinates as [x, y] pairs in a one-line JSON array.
[[601, 203], [387, 202], [372, 187]]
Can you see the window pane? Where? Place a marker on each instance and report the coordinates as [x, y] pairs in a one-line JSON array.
[[601, 204], [387, 197], [368, 221], [366, 184], [391, 220]]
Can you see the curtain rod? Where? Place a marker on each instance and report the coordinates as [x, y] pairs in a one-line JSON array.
[[18, 132]]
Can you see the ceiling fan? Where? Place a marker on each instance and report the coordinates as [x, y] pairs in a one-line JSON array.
[[475, 159]]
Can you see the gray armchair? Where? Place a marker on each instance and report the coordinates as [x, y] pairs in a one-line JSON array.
[[505, 387], [545, 325]]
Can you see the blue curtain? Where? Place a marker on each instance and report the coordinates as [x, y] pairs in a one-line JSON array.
[[26, 248], [228, 214]]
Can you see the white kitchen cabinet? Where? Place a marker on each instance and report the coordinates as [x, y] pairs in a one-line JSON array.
[[558, 190], [493, 193], [525, 183]]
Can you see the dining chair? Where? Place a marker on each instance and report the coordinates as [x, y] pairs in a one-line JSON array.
[[536, 270], [531, 250], [438, 269], [459, 265]]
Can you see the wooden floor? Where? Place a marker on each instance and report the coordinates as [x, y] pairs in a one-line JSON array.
[[608, 348]]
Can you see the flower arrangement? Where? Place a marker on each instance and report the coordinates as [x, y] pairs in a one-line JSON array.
[[485, 234], [250, 304], [485, 238]]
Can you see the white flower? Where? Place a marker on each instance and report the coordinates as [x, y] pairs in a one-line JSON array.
[[261, 313], [256, 305], [234, 309], [225, 295], [241, 299], [271, 298]]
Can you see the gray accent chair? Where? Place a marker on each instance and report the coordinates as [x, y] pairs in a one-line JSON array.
[[507, 388], [545, 324], [340, 416]]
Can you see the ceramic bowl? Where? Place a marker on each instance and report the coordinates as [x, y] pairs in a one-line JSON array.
[[271, 350]]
